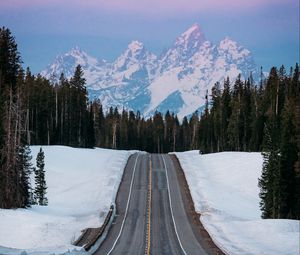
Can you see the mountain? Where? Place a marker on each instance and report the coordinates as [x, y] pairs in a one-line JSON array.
[[67, 63], [175, 81]]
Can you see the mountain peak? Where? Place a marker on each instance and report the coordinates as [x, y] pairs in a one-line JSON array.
[[75, 50], [135, 45], [195, 28], [229, 44], [228, 41], [194, 34]]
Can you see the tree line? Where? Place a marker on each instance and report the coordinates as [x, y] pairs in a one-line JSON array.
[[238, 116], [15, 157], [60, 113], [260, 117]]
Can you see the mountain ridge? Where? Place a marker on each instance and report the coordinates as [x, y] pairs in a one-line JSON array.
[[177, 80]]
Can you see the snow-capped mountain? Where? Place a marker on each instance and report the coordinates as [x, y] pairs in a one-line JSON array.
[[175, 81], [67, 63]]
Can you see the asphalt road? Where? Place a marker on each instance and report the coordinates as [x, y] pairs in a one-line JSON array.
[[159, 212]]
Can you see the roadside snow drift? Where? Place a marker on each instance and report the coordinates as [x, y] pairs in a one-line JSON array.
[[225, 191], [82, 184]]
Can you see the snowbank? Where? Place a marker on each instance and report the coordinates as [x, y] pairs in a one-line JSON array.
[[225, 192], [82, 184]]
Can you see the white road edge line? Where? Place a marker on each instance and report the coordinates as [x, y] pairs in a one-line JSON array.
[[127, 205], [170, 200]]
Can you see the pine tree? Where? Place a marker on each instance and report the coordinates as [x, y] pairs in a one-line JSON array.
[[26, 168], [158, 132], [297, 164], [132, 130], [226, 112], [288, 158], [11, 195], [124, 130], [235, 126], [258, 118], [40, 181], [205, 131], [90, 134], [295, 91], [102, 130], [269, 183], [168, 126], [247, 113], [175, 134], [79, 108], [194, 129], [216, 117]]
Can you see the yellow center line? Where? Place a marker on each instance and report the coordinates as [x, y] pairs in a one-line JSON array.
[[148, 236]]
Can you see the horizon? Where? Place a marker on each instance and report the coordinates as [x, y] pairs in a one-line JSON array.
[[270, 30]]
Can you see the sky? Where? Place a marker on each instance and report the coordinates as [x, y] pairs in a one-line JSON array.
[[103, 28]]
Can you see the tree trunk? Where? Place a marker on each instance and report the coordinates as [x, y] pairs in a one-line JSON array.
[[56, 109], [48, 133], [27, 126], [174, 138], [114, 139]]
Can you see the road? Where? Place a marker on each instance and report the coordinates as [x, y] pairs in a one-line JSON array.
[[151, 217]]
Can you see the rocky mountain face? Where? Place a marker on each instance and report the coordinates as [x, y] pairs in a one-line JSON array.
[[175, 81]]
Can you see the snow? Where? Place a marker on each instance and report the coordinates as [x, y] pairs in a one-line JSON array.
[[228, 46], [225, 191], [194, 34], [189, 31], [82, 184], [135, 46]]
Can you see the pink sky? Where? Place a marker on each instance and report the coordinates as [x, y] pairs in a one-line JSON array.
[[149, 6]]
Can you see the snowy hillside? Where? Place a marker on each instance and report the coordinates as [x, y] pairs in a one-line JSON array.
[[82, 184], [176, 81], [225, 192]]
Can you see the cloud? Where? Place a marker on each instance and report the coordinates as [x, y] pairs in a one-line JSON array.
[[149, 6]]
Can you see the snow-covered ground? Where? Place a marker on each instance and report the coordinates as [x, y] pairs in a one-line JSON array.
[[225, 192], [82, 184]]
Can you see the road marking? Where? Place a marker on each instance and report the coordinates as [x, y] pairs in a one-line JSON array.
[[127, 205], [149, 203], [170, 200]]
